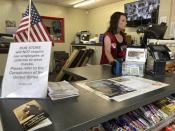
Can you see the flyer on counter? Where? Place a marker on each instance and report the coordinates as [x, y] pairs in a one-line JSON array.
[[31, 116]]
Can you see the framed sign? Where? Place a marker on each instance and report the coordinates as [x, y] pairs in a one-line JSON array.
[[55, 27]]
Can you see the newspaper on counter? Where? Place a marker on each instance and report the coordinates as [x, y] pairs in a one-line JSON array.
[[61, 90], [121, 88]]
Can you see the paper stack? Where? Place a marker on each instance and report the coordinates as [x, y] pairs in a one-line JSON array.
[[61, 90]]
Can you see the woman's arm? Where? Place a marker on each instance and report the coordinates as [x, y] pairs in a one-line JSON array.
[[107, 46]]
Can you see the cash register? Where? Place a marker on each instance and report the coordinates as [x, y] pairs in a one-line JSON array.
[[157, 57], [82, 37]]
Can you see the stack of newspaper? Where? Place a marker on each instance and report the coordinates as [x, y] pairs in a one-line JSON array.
[[61, 90]]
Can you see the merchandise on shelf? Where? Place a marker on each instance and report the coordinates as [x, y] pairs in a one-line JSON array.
[[150, 116]]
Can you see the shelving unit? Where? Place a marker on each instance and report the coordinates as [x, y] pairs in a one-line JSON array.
[[95, 59]]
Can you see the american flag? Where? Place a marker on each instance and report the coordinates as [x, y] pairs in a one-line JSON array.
[[38, 31]]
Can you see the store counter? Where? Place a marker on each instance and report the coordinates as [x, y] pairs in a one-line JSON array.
[[87, 110]]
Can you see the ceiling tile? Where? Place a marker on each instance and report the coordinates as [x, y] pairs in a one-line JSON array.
[[69, 3]]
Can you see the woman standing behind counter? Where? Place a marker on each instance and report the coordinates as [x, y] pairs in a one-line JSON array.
[[114, 43]]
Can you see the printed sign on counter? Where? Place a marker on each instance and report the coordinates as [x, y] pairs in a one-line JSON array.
[[26, 72]]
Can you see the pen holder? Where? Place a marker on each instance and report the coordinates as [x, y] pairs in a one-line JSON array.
[[117, 67]]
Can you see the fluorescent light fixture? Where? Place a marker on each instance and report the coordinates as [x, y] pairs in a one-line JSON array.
[[76, 2], [84, 3]]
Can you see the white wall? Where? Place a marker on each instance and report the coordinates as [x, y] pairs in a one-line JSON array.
[[98, 18], [75, 20], [172, 21], [165, 11], [173, 10]]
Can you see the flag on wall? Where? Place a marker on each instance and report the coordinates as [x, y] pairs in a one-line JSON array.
[[38, 31]]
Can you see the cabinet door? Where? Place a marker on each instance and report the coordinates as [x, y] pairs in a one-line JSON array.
[[3, 58]]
